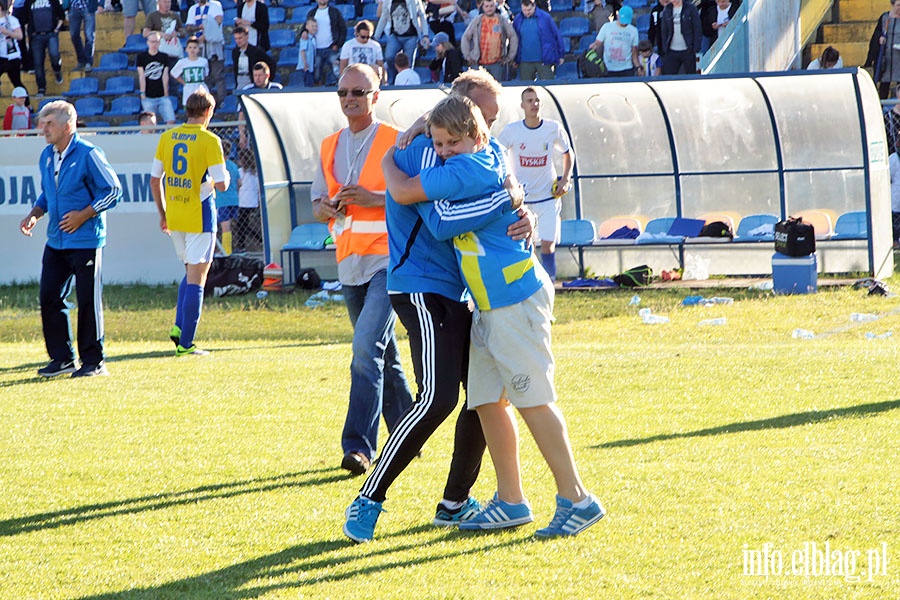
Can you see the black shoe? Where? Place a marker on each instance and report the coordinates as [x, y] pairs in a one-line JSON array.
[[355, 462], [91, 371], [59, 79], [57, 367]]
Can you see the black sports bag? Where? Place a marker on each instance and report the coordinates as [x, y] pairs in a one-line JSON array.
[[793, 237]]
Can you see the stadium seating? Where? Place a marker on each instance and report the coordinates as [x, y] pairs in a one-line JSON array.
[[83, 87], [561, 6], [295, 80], [89, 107], [296, 4], [567, 70], [298, 16], [821, 219], [112, 61], [607, 227], [585, 41], [124, 105], [424, 74], [851, 226], [574, 26], [134, 43], [288, 57], [118, 86], [348, 11], [370, 12], [308, 237], [459, 28], [281, 38], [276, 15], [642, 22], [751, 222], [228, 17], [229, 106], [577, 232]]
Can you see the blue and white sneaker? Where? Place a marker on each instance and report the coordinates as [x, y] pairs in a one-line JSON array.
[[569, 520], [362, 515], [451, 517], [498, 515]]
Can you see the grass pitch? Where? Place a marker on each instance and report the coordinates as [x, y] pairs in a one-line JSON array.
[[728, 457]]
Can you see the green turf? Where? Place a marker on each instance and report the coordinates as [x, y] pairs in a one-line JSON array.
[[217, 477]]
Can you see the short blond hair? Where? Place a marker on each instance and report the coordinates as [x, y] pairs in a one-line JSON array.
[[476, 79], [459, 116]]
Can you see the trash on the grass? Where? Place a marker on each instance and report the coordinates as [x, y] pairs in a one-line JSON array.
[[717, 321], [696, 268], [803, 334], [692, 300], [766, 286], [862, 317], [635, 300], [879, 336], [649, 318]]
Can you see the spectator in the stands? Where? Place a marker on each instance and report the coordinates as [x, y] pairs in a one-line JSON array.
[[892, 125], [681, 35], [11, 36], [330, 36], [245, 56], [248, 229], [147, 122], [405, 74], [170, 27], [44, 18], [441, 14], [130, 10], [406, 27], [204, 20], [306, 52], [541, 47], [191, 71], [363, 49], [18, 116], [490, 41], [618, 42], [83, 15], [253, 15], [601, 12], [649, 61], [262, 78], [448, 60], [16, 8], [227, 201], [655, 19], [714, 17], [153, 80], [830, 59]]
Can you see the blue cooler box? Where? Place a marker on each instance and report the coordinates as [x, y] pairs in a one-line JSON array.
[[794, 274]]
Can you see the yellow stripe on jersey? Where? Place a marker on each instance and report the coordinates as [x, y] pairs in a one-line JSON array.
[[470, 250], [186, 153], [516, 271]]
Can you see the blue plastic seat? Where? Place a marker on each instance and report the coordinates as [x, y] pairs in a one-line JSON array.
[[308, 237], [134, 43], [118, 86], [560, 6], [281, 38], [642, 22], [574, 26], [125, 105], [89, 107], [83, 87], [296, 4], [228, 5], [659, 225], [288, 57], [424, 74], [567, 70], [348, 11], [276, 15], [370, 11], [298, 15], [751, 222], [228, 17], [635, 3], [577, 232], [112, 61], [657, 232], [229, 106], [459, 28], [45, 102], [851, 226], [296, 80], [585, 41]]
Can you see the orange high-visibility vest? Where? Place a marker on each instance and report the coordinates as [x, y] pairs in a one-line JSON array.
[[364, 230]]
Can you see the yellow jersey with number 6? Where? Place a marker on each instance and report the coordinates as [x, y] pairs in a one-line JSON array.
[[186, 154]]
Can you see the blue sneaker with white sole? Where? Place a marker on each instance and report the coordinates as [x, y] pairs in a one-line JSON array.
[[362, 515], [569, 520], [499, 515], [451, 517]]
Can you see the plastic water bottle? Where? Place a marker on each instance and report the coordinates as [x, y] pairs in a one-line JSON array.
[[337, 297], [722, 300], [692, 300], [718, 321], [765, 286], [635, 300], [802, 334], [655, 319], [262, 295], [881, 336], [862, 317]]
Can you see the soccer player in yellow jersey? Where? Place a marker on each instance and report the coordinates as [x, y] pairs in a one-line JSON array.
[[188, 167]]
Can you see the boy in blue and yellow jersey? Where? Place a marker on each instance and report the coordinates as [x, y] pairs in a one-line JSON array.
[[190, 162], [510, 357]]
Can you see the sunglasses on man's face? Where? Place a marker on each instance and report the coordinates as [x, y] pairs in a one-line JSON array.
[[362, 37], [356, 93]]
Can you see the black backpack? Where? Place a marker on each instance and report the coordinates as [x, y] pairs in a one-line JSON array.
[[591, 65], [793, 237], [233, 275], [716, 229], [635, 276]]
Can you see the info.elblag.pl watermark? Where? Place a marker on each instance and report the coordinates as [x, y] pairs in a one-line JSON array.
[[813, 559]]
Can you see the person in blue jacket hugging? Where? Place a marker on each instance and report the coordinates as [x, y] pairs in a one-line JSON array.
[[78, 186], [541, 47]]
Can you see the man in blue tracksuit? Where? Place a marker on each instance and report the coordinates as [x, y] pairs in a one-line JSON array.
[[541, 47], [77, 186]]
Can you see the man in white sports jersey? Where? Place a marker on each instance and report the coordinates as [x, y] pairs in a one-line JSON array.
[[531, 144]]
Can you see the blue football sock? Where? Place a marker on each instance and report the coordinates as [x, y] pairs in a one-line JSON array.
[[193, 306], [179, 307], [549, 262]]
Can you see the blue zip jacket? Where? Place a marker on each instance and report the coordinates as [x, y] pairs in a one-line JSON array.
[[85, 179], [691, 28], [418, 262], [552, 48]]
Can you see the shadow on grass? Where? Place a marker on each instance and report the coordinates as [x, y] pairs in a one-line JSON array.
[[90, 512], [782, 422], [306, 562]]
